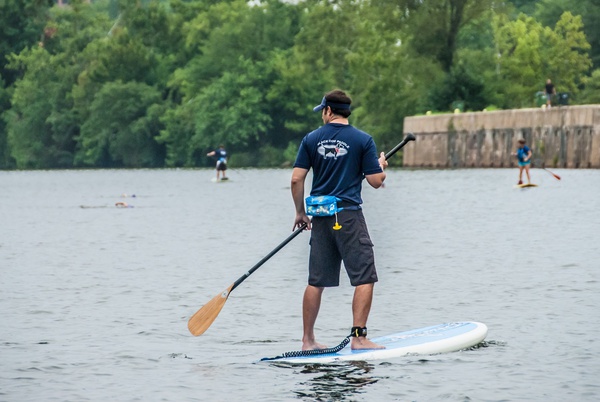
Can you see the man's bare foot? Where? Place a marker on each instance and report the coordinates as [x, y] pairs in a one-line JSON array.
[[362, 342], [313, 346]]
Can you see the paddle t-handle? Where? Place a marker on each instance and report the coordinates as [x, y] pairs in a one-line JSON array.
[[409, 137]]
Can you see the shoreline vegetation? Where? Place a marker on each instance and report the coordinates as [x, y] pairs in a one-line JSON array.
[[158, 84]]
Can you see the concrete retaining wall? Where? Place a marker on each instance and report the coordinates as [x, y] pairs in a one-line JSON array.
[[565, 137]]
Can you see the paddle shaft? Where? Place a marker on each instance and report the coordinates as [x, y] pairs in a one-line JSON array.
[[271, 254], [409, 137], [203, 318]]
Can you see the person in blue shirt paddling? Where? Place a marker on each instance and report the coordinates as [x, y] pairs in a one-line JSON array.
[[523, 155], [341, 156], [221, 155]]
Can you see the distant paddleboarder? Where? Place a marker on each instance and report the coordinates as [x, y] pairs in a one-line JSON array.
[[221, 155], [523, 155]]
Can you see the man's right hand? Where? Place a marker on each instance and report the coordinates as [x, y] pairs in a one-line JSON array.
[[301, 219]]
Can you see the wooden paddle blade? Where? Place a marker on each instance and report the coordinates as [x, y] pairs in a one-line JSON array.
[[557, 177], [203, 318]]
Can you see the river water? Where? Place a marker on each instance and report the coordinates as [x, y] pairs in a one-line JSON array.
[[94, 299]]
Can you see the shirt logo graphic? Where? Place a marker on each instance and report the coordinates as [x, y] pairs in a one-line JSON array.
[[332, 150]]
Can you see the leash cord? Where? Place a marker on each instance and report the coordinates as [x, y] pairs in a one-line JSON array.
[[299, 353]]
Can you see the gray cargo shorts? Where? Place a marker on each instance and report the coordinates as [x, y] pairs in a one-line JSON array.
[[351, 244]]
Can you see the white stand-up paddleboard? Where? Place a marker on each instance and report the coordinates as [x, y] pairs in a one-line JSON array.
[[442, 338]]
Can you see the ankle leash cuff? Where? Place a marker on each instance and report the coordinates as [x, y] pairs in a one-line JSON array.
[[358, 331]]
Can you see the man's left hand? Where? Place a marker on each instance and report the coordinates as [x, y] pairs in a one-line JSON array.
[[382, 161]]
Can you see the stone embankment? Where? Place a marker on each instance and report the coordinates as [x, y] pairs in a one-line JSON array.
[[563, 137]]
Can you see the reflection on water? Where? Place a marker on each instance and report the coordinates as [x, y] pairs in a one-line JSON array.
[[486, 344], [343, 381], [333, 382]]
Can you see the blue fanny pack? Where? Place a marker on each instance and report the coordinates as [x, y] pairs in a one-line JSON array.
[[323, 205]]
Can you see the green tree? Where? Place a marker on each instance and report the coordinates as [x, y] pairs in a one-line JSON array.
[[317, 62], [529, 53], [121, 127], [6, 161], [406, 56], [477, 60], [435, 25], [591, 92], [548, 12], [296, 88], [519, 58], [462, 89], [147, 83], [524, 6], [40, 124], [225, 88], [136, 50], [566, 57], [388, 79], [177, 129], [21, 26], [233, 110]]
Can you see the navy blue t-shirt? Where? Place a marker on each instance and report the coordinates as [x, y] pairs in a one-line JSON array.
[[340, 155], [221, 155]]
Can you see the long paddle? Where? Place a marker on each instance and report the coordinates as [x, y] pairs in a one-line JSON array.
[[203, 318]]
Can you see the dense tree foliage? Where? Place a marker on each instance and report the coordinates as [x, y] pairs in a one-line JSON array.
[[117, 83]]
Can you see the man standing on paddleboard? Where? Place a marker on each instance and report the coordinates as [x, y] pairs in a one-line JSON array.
[[221, 155], [341, 156]]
